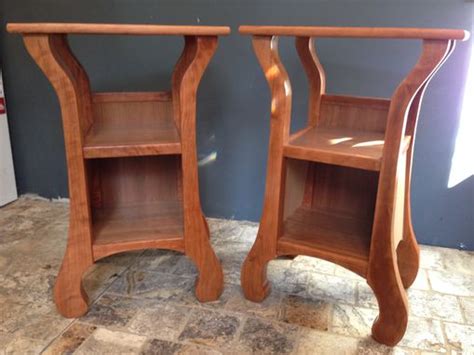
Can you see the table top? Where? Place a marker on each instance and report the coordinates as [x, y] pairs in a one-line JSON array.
[[361, 32], [116, 29]]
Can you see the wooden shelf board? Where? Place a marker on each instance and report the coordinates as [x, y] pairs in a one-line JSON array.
[[339, 238], [156, 225], [356, 32], [339, 146], [123, 127], [117, 29]]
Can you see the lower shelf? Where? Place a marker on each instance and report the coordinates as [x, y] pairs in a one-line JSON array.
[[119, 229], [338, 238]]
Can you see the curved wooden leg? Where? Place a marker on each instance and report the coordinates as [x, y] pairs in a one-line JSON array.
[[69, 295], [391, 324], [253, 276], [210, 281]]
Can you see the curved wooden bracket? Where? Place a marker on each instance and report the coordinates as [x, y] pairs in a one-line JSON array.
[[197, 54], [187, 55], [393, 266], [55, 59], [254, 270], [196, 58], [266, 50], [316, 76], [434, 53]]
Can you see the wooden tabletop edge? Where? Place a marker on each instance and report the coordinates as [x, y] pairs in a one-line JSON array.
[[118, 29], [361, 32]]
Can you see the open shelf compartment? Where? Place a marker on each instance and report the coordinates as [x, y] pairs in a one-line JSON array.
[[328, 213], [131, 124], [136, 204], [350, 132]]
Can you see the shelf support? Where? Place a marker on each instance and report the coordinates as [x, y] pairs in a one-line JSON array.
[[315, 74], [317, 88], [70, 82], [254, 270], [393, 241], [196, 56]]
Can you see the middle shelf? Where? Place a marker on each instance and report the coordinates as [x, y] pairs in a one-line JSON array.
[[339, 146], [132, 124]]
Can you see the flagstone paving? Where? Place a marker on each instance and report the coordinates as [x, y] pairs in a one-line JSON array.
[[143, 302]]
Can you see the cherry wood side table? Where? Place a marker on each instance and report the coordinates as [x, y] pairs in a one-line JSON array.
[[339, 189], [131, 156]]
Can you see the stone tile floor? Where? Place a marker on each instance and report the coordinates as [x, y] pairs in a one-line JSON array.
[[143, 302]]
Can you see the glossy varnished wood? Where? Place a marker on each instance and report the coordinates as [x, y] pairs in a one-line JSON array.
[[116, 29], [339, 146], [339, 189], [254, 270], [132, 161], [54, 58], [140, 226], [329, 235], [356, 32], [133, 124]]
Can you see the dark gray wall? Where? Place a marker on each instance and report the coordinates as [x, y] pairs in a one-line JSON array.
[[233, 108]]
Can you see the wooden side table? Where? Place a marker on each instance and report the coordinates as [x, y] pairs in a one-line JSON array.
[[131, 156], [339, 189]]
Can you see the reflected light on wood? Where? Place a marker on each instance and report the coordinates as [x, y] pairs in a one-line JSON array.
[[368, 144]]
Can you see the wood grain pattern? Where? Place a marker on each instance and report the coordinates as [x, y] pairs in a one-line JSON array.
[[124, 127], [345, 147], [254, 270], [132, 161], [141, 226], [356, 32], [116, 29], [328, 235], [383, 274], [210, 282], [49, 54], [355, 113], [353, 164]]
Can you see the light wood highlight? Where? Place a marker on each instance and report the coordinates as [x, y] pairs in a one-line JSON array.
[[339, 189], [131, 156]]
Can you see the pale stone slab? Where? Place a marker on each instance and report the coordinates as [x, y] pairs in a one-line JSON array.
[[431, 258], [452, 283], [310, 264], [433, 305], [352, 321], [164, 322], [458, 261], [268, 308], [104, 341], [424, 334], [347, 274], [332, 288], [467, 306], [460, 338]]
